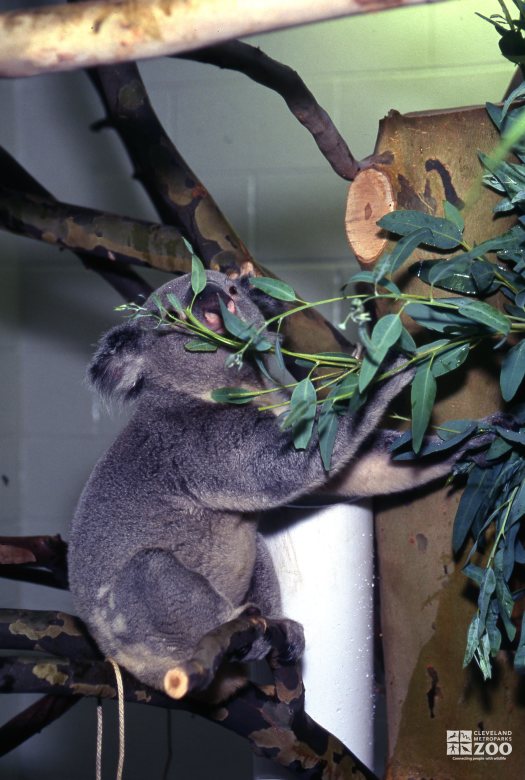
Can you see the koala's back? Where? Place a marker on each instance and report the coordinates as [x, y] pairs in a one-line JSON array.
[[151, 567]]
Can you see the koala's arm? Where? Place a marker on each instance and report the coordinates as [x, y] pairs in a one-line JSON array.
[[373, 472], [251, 464]]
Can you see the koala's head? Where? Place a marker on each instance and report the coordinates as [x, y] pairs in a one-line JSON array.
[[142, 355]]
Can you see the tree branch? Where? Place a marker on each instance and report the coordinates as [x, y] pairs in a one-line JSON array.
[[46, 632], [123, 279], [77, 668], [66, 37], [176, 192], [33, 719], [271, 718], [40, 559], [182, 200], [266, 71], [97, 233]]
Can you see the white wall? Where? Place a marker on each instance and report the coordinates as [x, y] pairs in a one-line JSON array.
[[269, 178]]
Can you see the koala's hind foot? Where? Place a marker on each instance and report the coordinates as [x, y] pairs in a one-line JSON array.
[[249, 637]]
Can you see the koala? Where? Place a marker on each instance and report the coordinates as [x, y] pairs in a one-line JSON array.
[[164, 544]]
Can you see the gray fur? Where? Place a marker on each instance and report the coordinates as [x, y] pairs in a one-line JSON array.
[[164, 543]]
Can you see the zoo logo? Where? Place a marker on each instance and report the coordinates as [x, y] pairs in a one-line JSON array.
[[465, 745]]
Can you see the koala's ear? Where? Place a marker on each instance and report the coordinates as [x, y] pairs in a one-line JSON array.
[[117, 370]]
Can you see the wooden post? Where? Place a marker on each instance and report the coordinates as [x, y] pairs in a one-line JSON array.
[[426, 604]]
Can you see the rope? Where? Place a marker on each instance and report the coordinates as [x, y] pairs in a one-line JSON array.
[[121, 726], [98, 765]]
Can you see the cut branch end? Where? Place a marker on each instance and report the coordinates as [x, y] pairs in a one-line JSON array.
[[176, 683]]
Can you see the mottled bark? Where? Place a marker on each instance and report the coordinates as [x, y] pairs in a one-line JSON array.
[[46, 632], [181, 199], [121, 277], [111, 237], [66, 37], [271, 717], [176, 192]]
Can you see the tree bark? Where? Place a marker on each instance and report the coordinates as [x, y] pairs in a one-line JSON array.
[[97, 233], [182, 200], [426, 605], [122, 278], [271, 717], [66, 37]]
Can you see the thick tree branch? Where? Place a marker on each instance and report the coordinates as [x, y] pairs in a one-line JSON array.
[[271, 718], [65, 37], [39, 559], [123, 279], [46, 632], [181, 199], [266, 71], [76, 668], [98, 233], [176, 192], [33, 719]]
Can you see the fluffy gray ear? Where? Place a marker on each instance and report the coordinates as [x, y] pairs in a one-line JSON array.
[[117, 368]]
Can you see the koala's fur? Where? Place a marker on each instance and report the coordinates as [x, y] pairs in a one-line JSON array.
[[164, 544]]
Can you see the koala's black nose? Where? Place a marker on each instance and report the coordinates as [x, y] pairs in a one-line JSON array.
[[208, 309], [208, 300]]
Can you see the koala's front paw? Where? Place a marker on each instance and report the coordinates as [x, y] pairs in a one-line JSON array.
[[293, 649], [286, 652]]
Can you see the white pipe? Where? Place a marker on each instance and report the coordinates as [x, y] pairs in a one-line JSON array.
[[324, 560]]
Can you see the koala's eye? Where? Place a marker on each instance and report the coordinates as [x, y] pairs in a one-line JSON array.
[[232, 290]]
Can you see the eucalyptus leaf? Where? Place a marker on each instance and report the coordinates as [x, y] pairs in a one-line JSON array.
[[450, 359], [453, 214], [472, 501], [279, 355], [443, 234], [512, 370], [485, 314], [303, 397], [405, 246], [327, 431], [493, 632], [232, 395], [516, 437], [175, 302], [362, 276], [488, 586], [274, 287], [498, 449], [472, 640], [386, 332], [198, 275], [473, 572], [200, 345], [406, 341], [423, 394], [369, 368], [234, 325], [495, 114], [440, 320], [483, 275]]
